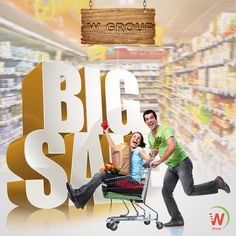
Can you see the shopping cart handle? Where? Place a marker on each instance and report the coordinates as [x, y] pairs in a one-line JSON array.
[[115, 178], [146, 165]]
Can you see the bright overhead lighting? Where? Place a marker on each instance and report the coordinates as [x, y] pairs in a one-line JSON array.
[[127, 1], [37, 36]]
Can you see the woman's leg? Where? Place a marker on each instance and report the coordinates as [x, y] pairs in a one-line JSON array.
[[81, 195]]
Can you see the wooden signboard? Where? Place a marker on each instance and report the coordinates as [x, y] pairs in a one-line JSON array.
[[118, 26]]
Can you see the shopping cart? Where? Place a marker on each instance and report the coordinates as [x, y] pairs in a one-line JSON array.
[[118, 188]]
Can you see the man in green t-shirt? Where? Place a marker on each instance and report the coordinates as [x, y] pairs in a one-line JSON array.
[[179, 168]]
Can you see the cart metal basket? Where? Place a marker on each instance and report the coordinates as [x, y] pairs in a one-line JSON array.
[[119, 188]]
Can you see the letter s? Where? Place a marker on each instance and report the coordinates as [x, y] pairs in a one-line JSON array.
[[53, 172]]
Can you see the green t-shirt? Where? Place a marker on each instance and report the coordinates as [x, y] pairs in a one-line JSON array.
[[166, 132]]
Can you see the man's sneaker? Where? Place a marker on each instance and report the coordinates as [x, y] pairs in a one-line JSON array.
[[222, 185], [173, 223]]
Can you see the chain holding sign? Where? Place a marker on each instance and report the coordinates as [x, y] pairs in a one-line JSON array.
[[118, 26]]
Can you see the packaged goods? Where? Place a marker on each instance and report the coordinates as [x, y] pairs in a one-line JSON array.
[[203, 116], [223, 102], [221, 126], [227, 23]]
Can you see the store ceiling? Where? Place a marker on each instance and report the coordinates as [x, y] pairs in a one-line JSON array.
[[6, 34], [181, 19]]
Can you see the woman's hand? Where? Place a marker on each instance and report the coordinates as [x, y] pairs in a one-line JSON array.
[[105, 127]]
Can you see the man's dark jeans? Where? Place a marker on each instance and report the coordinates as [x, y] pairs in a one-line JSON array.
[[183, 171]]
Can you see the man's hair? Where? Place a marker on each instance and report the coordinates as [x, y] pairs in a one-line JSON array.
[[148, 112]]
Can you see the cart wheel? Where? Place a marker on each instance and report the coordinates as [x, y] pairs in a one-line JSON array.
[[113, 226], [108, 225], [147, 222], [159, 225]]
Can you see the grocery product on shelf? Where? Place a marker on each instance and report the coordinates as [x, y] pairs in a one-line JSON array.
[[10, 110], [203, 94], [147, 75], [15, 63]]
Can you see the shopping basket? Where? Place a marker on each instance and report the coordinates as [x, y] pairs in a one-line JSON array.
[[119, 188]]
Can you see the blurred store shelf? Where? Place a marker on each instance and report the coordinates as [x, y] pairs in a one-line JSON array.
[[202, 98], [26, 25], [20, 51]]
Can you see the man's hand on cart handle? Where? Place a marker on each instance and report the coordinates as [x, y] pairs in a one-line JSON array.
[[155, 163], [147, 163]]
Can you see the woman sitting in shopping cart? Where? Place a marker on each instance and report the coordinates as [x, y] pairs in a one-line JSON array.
[[81, 195]]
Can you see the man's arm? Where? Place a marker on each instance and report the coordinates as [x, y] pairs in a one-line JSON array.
[[169, 151]]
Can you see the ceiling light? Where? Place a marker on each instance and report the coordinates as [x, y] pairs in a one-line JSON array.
[[37, 36], [127, 1]]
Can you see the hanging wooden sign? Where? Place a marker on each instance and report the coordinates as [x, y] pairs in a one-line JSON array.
[[118, 26]]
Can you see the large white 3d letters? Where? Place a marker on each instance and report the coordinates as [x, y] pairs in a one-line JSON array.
[[72, 135]]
